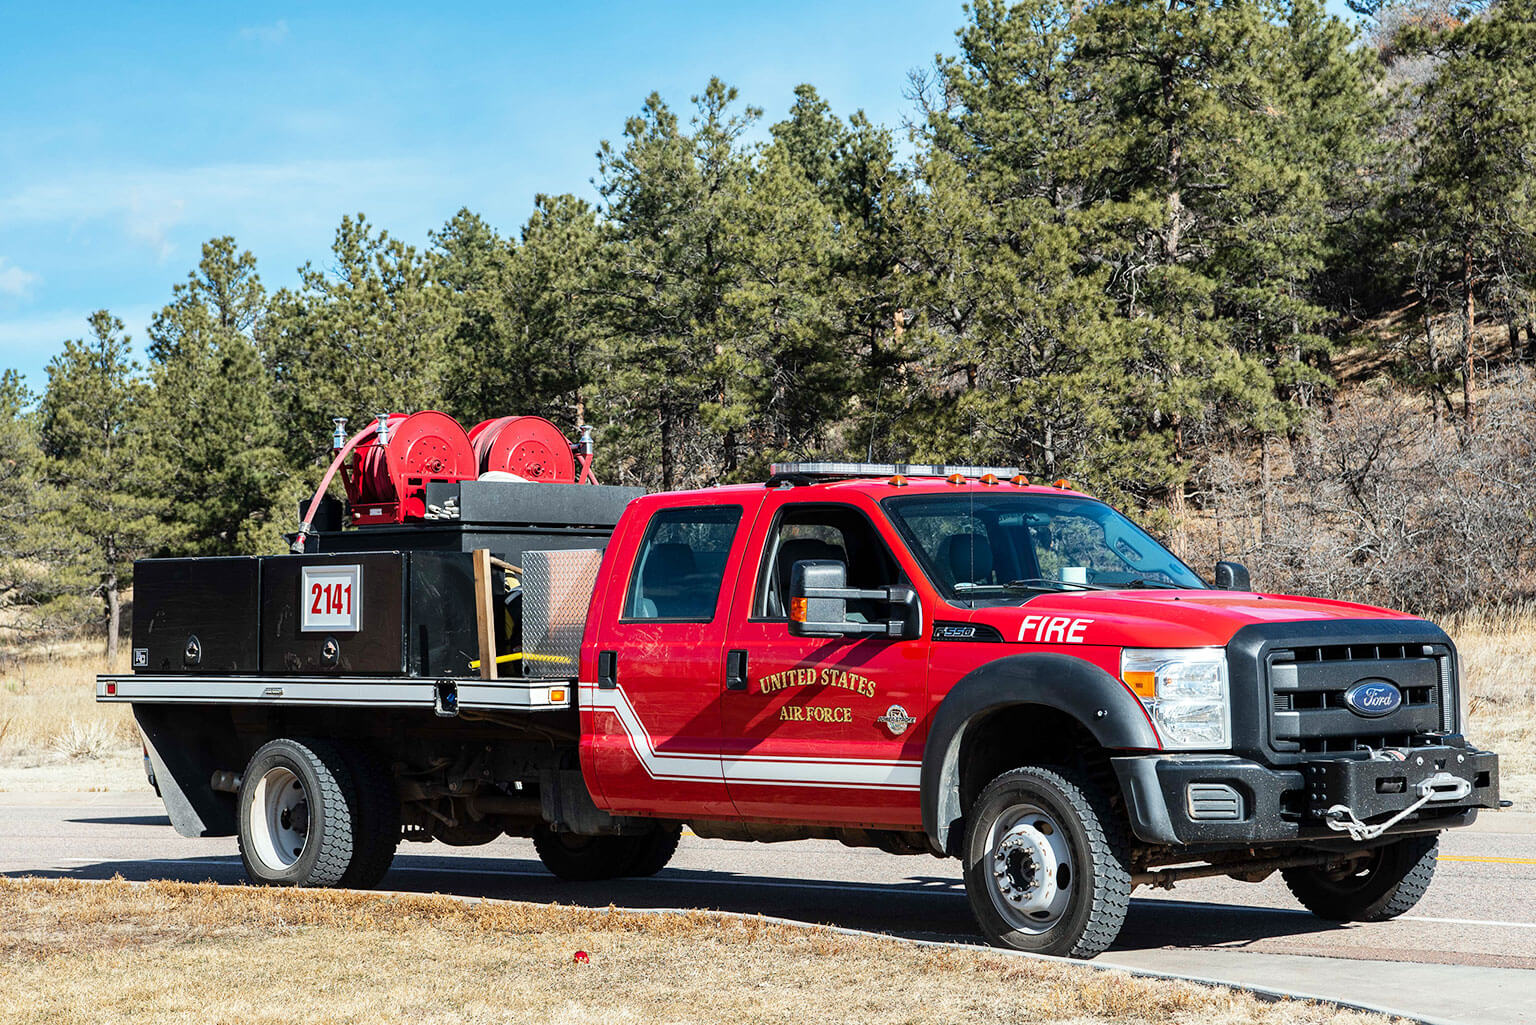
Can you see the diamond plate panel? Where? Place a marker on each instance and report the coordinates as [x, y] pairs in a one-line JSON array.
[[557, 589]]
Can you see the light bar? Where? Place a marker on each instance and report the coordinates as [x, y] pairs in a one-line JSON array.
[[841, 470]]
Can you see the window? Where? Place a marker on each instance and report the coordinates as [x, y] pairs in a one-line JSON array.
[[837, 532], [681, 565], [1004, 547]]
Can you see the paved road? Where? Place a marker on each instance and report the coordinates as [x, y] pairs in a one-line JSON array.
[[1467, 953]]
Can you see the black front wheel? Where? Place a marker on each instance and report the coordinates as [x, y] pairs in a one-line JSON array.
[[1046, 863], [1386, 882]]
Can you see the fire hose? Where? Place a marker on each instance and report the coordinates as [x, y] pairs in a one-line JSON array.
[[325, 482]]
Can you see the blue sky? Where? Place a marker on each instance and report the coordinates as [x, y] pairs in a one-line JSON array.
[[132, 133]]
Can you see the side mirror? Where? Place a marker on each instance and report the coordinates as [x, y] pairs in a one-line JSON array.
[[810, 614], [818, 604], [1232, 576]]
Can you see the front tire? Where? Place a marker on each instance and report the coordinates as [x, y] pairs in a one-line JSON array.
[[1045, 864], [1388, 883], [296, 810]]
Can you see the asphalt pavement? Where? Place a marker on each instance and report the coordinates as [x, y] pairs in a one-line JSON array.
[[1467, 953]]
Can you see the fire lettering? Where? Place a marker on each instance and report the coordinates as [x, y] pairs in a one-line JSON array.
[[1053, 629]]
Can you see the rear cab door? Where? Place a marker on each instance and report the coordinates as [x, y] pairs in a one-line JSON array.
[[822, 729], [653, 661]]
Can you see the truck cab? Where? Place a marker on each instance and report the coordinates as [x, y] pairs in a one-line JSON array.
[[953, 661]]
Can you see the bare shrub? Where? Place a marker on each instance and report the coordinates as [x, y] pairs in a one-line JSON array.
[[81, 740], [1382, 504]]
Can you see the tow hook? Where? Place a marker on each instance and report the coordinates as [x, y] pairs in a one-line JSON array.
[[1442, 786]]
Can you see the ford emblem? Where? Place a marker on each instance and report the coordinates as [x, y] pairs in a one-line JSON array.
[[1373, 698]]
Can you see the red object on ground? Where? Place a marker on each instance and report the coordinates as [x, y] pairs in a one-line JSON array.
[[386, 481], [529, 446], [581, 957]]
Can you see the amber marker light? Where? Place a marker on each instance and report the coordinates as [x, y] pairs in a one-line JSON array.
[[557, 695], [989, 478], [797, 610], [1062, 483], [1019, 480], [1143, 683], [957, 478], [898, 481]]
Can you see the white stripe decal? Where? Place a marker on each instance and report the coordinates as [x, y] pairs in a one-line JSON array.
[[796, 771]]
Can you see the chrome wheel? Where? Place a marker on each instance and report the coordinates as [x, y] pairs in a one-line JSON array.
[[280, 825], [1030, 867]]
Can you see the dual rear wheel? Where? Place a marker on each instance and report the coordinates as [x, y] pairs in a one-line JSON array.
[[317, 813]]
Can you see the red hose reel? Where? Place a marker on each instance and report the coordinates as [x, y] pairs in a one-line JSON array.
[[529, 447], [387, 480], [399, 454]]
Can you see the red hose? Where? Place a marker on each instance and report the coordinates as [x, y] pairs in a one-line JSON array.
[[325, 482]]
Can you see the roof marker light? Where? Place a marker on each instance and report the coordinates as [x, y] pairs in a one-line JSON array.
[[1061, 483], [1019, 480], [898, 481], [989, 478], [956, 478]]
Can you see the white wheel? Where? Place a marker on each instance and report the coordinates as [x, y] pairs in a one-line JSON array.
[[1031, 868], [297, 810], [280, 825]]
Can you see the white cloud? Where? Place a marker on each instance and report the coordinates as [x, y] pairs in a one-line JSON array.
[[274, 33], [14, 280], [149, 205]]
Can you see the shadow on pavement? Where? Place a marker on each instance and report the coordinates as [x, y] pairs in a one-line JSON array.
[[125, 820], [920, 907]]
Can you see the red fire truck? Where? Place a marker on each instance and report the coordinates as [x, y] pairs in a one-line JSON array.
[[930, 660]]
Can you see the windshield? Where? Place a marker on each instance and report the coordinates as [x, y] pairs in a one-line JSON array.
[[1005, 548]]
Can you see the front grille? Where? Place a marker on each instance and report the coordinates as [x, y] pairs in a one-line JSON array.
[[1307, 685]]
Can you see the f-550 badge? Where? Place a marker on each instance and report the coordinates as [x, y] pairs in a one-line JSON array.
[[896, 720]]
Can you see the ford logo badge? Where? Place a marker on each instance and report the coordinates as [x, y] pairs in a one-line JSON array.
[[1373, 698]]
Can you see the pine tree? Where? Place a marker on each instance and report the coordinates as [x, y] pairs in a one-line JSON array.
[[671, 253], [216, 432], [1470, 205], [523, 325], [107, 506], [20, 465], [368, 337], [1023, 348]]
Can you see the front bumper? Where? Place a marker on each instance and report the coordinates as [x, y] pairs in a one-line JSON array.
[[1195, 799]]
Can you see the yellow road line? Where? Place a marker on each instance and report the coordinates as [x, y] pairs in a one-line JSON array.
[[1494, 861]]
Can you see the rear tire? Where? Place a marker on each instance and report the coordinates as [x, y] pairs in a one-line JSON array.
[[1045, 863], [376, 832], [1389, 883], [583, 859], [654, 850], [296, 810]]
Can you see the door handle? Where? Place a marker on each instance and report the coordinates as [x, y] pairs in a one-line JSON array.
[[607, 670], [735, 670]]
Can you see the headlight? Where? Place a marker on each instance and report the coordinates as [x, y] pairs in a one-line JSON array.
[[1185, 691]]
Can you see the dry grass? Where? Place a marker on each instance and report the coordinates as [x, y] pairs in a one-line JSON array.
[[73, 951], [48, 709], [1499, 694]]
